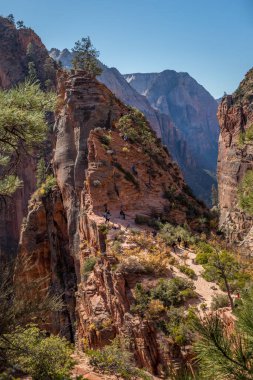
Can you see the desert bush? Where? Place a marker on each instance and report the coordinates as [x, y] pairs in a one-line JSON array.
[[116, 359], [128, 176], [203, 250], [151, 222], [188, 271], [178, 326], [155, 309], [142, 299], [105, 139], [131, 264], [47, 186], [219, 301], [171, 234], [173, 292], [245, 193], [143, 262], [89, 264], [103, 228]]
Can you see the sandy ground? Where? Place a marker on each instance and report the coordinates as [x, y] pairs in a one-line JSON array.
[[206, 290]]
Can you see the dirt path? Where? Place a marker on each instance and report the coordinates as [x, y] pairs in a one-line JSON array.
[[205, 289]]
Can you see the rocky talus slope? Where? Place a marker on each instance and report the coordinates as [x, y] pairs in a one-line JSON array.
[[97, 167], [235, 159], [14, 61]]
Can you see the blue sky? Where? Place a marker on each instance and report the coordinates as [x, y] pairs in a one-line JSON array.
[[210, 39]]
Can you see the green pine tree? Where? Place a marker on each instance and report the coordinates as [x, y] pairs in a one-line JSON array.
[[22, 127], [85, 57], [226, 353]]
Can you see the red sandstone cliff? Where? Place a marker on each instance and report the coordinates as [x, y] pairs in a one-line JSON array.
[[13, 54], [64, 227], [13, 69], [235, 158]]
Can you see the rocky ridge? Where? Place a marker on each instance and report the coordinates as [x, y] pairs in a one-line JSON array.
[[187, 114], [93, 164], [235, 159]]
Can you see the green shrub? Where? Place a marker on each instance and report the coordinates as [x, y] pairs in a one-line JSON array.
[[89, 264], [42, 357], [173, 292], [151, 222], [141, 219], [188, 271], [245, 193], [47, 186], [40, 172], [219, 301], [136, 128], [105, 139], [142, 299], [204, 250], [128, 176], [103, 228], [116, 359], [249, 134], [171, 234]]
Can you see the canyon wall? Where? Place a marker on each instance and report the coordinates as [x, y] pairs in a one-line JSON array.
[[14, 58], [235, 158]]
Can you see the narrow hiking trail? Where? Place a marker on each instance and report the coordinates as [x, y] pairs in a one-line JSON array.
[[205, 289]]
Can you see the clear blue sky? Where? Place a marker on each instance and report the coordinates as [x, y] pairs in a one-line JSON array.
[[210, 39]]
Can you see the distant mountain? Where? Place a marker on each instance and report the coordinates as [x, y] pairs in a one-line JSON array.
[[187, 103], [199, 169]]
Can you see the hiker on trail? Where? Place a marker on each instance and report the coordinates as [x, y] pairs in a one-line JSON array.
[[173, 246], [134, 171], [125, 137], [107, 216], [122, 214]]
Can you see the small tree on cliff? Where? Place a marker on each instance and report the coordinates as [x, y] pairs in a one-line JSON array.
[[85, 57], [11, 18], [20, 24], [22, 127]]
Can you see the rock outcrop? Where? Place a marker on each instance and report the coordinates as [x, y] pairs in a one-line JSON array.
[[18, 47], [98, 168], [235, 158], [187, 125]]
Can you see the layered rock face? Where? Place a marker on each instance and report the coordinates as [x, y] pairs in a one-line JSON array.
[[96, 168], [189, 105], [235, 158], [17, 48], [187, 125]]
